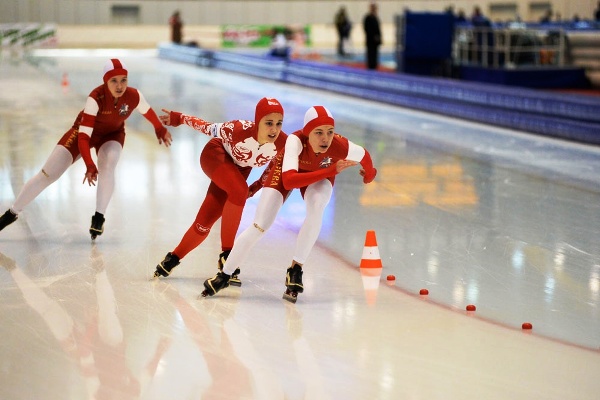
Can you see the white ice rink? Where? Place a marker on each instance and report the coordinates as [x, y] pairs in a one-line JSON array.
[[502, 220]]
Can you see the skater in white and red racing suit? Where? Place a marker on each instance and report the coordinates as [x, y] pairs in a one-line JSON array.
[[227, 159], [101, 126], [312, 158]]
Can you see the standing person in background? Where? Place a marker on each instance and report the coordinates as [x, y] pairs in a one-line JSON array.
[[343, 27], [372, 36], [279, 44], [100, 125], [313, 156], [484, 37], [461, 17], [227, 159], [176, 28], [547, 17]]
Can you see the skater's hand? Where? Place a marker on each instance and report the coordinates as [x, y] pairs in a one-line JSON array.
[[368, 176], [91, 175], [164, 136], [172, 118], [167, 139], [343, 164]]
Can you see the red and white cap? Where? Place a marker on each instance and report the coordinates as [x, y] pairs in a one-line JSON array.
[[114, 67], [316, 116], [266, 105]]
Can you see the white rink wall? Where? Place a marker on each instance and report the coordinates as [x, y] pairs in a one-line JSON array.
[[207, 36], [217, 12]]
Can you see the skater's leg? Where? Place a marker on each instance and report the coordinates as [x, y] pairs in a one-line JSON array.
[[269, 204], [226, 175], [230, 223], [210, 211], [108, 157], [316, 197], [59, 161], [234, 183]]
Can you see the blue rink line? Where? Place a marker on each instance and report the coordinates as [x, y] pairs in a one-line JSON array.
[[563, 116]]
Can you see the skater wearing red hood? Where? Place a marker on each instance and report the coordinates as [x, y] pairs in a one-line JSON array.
[[100, 126]]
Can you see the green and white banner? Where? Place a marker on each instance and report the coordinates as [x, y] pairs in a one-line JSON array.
[[262, 35]]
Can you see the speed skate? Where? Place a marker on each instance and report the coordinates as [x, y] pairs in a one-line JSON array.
[[290, 296], [293, 282]]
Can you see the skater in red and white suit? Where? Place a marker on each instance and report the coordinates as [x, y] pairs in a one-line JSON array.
[[312, 158], [227, 159], [100, 125]]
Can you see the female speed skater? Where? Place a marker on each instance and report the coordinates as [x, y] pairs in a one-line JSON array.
[[101, 126], [312, 157], [227, 159]]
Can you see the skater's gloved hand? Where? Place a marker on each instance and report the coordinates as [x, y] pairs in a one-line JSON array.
[[172, 118], [164, 136], [91, 175], [368, 176]]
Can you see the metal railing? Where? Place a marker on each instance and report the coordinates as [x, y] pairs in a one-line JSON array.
[[510, 48]]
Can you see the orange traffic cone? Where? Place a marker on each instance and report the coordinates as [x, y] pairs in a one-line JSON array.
[[65, 83], [370, 256], [371, 268]]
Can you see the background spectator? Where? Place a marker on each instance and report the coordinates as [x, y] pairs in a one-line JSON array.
[[176, 28], [547, 18], [343, 27], [372, 36]]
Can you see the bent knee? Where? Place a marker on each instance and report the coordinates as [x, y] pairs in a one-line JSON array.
[[238, 197]]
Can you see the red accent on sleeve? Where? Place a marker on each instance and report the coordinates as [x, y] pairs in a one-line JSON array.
[[366, 161], [367, 165], [159, 128], [293, 179], [175, 118], [88, 120], [83, 142]]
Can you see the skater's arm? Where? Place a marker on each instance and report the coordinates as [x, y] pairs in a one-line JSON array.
[[368, 172], [360, 154], [293, 179], [175, 118], [260, 182], [86, 128], [91, 173], [162, 134]]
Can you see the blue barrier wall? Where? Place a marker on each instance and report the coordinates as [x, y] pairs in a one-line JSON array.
[[572, 117]]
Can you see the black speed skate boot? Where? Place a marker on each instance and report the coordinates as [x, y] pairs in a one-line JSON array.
[[7, 218], [166, 266], [97, 226], [213, 285], [235, 279], [293, 281]]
